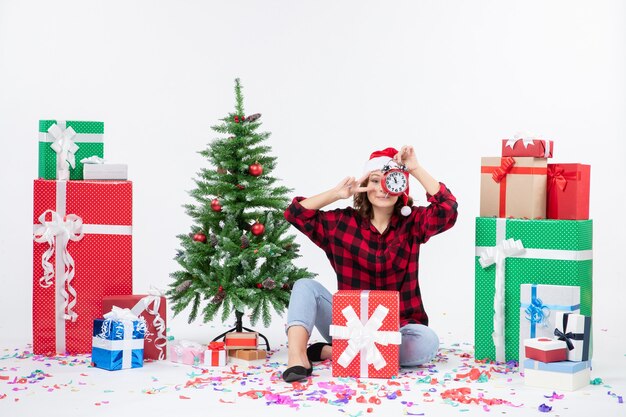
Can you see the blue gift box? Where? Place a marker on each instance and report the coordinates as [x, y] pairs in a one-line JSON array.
[[117, 344], [565, 367]]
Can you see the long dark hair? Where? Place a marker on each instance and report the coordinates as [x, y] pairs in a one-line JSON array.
[[363, 206]]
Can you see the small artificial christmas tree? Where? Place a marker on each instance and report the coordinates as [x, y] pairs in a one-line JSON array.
[[238, 255]]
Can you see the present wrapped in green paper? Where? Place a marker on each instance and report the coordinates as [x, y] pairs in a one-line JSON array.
[[511, 252], [63, 144]]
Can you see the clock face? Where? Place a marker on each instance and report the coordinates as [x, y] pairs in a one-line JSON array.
[[395, 182]]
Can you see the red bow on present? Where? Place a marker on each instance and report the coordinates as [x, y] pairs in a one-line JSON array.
[[505, 167], [216, 346], [557, 176]]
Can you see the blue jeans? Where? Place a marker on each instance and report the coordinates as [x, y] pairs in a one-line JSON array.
[[310, 306]]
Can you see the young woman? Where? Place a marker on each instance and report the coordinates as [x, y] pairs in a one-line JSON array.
[[373, 246]]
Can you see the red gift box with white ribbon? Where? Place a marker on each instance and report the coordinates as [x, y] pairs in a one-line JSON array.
[[519, 146], [82, 252], [150, 307], [366, 337]]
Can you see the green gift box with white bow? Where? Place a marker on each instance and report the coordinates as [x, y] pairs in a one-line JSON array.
[[63, 144], [512, 252]]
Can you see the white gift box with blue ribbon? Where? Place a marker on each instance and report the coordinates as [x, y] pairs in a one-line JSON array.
[[538, 307], [118, 341]]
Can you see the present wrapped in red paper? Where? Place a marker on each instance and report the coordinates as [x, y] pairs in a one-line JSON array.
[[537, 148], [82, 252], [215, 354], [513, 187], [568, 191], [545, 350], [366, 336], [241, 340], [150, 307]]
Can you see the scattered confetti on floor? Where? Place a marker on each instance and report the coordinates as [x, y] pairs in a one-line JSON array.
[[454, 380]]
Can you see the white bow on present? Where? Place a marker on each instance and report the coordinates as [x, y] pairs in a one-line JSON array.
[[362, 338], [65, 148], [58, 232]]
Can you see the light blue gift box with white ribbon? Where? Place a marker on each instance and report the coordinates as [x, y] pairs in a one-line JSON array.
[[118, 342]]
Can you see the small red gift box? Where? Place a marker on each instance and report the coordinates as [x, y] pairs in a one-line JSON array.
[[152, 309], [215, 354], [568, 191], [241, 340], [546, 350], [537, 148], [366, 336], [82, 252]]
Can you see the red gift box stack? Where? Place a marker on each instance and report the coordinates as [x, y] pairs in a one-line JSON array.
[[82, 252], [521, 184]]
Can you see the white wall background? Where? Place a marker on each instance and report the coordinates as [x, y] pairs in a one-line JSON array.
[[334, 81]]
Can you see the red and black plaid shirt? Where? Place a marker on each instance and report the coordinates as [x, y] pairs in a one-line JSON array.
[[365, 259]]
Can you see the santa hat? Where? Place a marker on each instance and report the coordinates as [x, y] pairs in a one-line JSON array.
[[378, 160]]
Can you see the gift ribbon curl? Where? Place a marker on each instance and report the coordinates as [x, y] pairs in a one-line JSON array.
[[57, 233], [364, 337], [151, 304]]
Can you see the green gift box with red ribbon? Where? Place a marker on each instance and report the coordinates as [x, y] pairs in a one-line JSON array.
[[568, 191], [63, 144], [513, 187], [512, 252]]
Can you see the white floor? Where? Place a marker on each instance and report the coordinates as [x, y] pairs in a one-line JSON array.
[[32, 386]]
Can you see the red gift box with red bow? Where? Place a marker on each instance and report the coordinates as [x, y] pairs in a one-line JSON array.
[[568, 191]]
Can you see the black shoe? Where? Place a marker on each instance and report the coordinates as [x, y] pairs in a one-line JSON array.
[[314, 352], [297, 373]]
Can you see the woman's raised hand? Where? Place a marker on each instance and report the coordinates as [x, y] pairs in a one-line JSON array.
[[349, 186], [406, 156]]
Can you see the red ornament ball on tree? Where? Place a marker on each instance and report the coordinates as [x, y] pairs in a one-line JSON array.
[[257, 229], [259, 285], [220, 288], [215, 205], [199, 237], [255, 169]]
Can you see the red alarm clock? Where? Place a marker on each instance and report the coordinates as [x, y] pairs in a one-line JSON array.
[[395, 180]]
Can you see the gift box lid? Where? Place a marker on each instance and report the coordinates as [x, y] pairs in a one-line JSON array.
[[79, 126], [565, 367], [544, 343]]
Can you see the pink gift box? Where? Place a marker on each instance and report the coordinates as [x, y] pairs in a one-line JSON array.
[[185, 351]]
